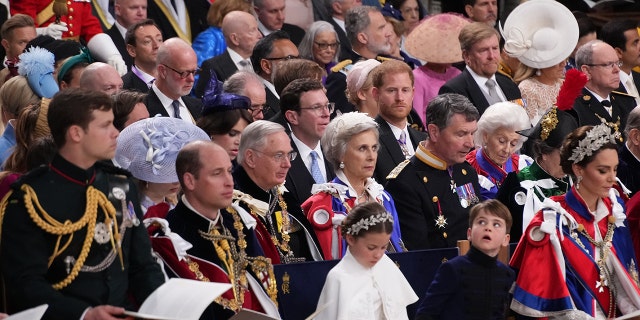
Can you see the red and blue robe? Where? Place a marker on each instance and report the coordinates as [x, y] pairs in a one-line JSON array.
[[336, 199], [557, 270], [490, 175]]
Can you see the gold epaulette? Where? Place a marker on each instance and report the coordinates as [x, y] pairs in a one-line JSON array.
[[622, 94], [342, 66], [383, 59], [396, 171]]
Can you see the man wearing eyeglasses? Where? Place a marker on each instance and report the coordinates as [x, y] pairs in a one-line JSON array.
[[265, 156], [267, 55], [248, 84], [599, 102], [306, 109], [169, 94]]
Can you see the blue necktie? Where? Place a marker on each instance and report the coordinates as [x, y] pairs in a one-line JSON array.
[[176, 109], [315, 168]]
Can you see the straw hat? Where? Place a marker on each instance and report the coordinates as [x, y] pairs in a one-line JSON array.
[[148, 148], [540, 33], [435, 39]]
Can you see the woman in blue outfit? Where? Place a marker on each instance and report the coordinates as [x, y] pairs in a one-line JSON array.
[[499, 140], [350, 143], [210, 42]]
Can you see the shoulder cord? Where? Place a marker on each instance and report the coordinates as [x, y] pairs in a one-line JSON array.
[[50, 225]]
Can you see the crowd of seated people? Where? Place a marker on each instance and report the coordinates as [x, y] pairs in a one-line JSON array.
[[232, 140]]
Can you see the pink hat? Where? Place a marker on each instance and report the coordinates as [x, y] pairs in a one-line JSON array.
[[358, 74], [435, 39]]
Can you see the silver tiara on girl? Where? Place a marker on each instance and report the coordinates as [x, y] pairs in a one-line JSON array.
[[369, 222]]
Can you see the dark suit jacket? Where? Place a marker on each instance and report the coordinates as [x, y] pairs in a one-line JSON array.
[[131, 81], [299, 180], [587, 110], [465, 85], [274, 104], [280, 119], [155, 107], [221, 64], [390, 154], [345, 44], [628, 170], [118, 40], [295, 33], [196, 10]]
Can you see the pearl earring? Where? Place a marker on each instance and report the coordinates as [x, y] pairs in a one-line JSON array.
[[341, 165], [578, 180]]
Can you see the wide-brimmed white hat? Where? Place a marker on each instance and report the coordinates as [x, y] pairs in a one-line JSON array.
[[148, 148], [540, 33], [435, 39]]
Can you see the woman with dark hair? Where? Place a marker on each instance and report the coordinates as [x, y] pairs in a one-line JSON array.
[[411, 12], [576, 259], [224, 118], [523, 192], [128, 107]]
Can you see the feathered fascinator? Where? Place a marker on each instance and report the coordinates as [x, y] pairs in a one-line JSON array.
[[573, 83], [36, 64], [215, 100]]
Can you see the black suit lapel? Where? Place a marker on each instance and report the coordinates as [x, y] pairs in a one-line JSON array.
[[154, 106], [389, 141], [475, 93], [300, 177], [508, 87], [229, 67]]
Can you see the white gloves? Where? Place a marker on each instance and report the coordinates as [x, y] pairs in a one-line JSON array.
[[102, 48], [53, 30], [337, 219]]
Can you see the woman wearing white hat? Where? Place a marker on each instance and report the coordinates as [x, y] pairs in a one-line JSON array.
[[543, 46]]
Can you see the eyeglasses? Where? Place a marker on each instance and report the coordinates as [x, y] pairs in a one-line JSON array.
[[607, 65], [324, 46], [256, 109], [318, 109], [280, 156], [289, 57], [183, 74]]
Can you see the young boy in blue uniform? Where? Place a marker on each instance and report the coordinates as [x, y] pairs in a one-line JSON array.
[[476, 285]]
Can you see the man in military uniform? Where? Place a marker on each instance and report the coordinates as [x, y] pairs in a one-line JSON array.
[[265, 155], [599, 102], [78, 24], [369, 38], [435, 189], [223, 249], [71, 231]]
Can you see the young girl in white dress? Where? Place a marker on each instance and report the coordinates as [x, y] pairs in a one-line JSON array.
[[366, 284]]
